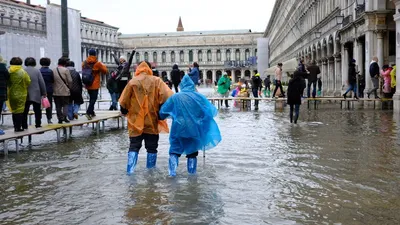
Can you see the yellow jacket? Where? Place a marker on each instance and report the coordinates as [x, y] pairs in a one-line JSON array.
[[393, 77]]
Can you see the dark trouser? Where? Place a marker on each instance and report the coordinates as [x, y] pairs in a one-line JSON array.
[[92, 101], [375, 82], [278, 85], [193, 155], [352, 87], [176, 85], [296, 109], [49, 111], [314, 92], [255, 94], [17, 120], [121, 86], [62, 103], [37, 108], [150, 143]]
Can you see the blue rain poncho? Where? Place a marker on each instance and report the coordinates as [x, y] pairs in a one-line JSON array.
[[193, 125]]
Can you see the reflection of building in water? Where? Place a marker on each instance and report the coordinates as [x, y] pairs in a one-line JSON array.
[[215, 51], [333, 32]]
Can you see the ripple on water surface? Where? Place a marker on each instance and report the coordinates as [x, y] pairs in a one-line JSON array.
[[335, 167]]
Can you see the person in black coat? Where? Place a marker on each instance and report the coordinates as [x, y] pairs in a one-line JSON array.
[[352, 79], [4, 77], [176, 77], [294, 94]]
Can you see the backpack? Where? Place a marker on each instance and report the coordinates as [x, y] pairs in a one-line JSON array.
[[87, 74]]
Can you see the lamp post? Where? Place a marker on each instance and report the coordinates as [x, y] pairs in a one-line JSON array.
[[339, 20], [64, 28]]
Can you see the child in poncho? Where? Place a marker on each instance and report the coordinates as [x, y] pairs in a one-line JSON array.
[[193, 126]]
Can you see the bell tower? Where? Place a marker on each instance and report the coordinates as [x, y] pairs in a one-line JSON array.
[[180, 26]]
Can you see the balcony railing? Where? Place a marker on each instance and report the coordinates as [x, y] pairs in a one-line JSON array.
[[360, 11], [22, 25], [347, 20]]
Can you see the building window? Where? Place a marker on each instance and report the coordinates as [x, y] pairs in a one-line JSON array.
[[200, 56], [228, 55], [218, 55], [154, 56], [209, 57], [190, 56], [181, 56], [137, 57], [247, 54], [146, 56], [173, 56], [237, 54], [164, 57]]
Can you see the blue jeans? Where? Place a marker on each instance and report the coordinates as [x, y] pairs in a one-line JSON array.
[[314, 92], [92, 101], [114, 99], [352, 87], [73, 109], [296, 109]]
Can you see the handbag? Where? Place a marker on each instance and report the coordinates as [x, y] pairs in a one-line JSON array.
[[59, 74], [45, 103]]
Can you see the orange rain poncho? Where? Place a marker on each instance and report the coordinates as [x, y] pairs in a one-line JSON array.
[[143, 96]]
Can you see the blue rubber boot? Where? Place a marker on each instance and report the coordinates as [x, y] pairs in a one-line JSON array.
[[132, 161], [173, 164], [151, 160], [192, 165]]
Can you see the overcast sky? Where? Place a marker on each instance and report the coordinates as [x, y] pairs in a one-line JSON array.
[[151, 16]]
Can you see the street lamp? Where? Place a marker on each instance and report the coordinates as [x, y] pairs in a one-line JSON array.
[[339, 19], [360, 2]]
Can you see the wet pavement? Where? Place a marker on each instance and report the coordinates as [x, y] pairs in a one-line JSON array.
[[334, 167]]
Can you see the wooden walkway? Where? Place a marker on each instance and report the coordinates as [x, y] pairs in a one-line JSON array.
[[98, 123]]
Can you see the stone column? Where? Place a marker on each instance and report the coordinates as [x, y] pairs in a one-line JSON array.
[[369, 46], [214, 55], [242, 75], [233, 54], [331, 72], [169, 75], [223, 55], [345, 67], [84, 54], [360, 62], [186, 54], [379, 48], [233, 76], [328, 88], [338, 70], [195, 55], [214, 76], [168, 56], [396, 97]]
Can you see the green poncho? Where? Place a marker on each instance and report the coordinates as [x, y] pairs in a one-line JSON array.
[[224, 84], [18, 89]]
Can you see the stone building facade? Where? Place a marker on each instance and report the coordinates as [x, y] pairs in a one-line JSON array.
[[33, 30], [214, 51], [333, 32]]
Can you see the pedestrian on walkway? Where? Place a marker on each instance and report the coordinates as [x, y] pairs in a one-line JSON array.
[[62, 85], [92, 68], [112, 87], [295, 92], [374, 72], [256, 87], [76, 99], [352, 80], [142, 98], [18, 90], [194, 73], [385, 74], [193, 125], [312, 79], [48, 78], [224, 86], [4, 78], [36, 91], [267, 86], [123, 75], [176, 77], [278, 80]]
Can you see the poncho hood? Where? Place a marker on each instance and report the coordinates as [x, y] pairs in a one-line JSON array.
[[187, 84], [143, 68]]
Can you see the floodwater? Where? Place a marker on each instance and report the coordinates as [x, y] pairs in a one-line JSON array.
[[334, 167]]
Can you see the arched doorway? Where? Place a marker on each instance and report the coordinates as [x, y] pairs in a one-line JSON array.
[[209, 75], [238, 75], [247, 74], [219, 74]]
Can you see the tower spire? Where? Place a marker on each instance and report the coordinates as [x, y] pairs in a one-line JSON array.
[[180, 26]]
